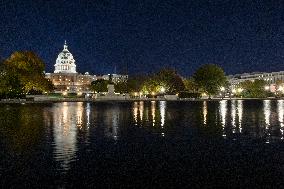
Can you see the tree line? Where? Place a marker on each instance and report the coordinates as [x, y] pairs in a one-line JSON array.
[[207, 79], [23, 73]]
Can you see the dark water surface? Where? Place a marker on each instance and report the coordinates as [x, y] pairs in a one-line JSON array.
[[142, 144]]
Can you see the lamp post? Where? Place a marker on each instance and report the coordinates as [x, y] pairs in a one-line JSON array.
[[222, 89]]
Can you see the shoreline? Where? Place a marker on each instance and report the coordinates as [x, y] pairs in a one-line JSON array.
[[24, 101]]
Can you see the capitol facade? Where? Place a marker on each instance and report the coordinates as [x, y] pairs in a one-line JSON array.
[[66, 79]]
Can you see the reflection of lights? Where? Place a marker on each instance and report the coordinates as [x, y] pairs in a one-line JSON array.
[[153, 111], [115, 118], [266, 109], [79, 115], [240, 114], [135, 112], [88, 111], [204, 112], [233, 114], [141, 109], [65, 132], [223, 112], [163, 112], [280, 117]]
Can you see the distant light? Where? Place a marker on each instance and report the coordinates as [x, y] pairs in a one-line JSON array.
[[222, 88], [266, 88], [162, 89], [153, 93], [239, 90]]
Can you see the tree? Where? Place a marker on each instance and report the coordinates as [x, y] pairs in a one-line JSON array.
[[253, 89], [190, 85], [135, 83], [121, 87], [210, 78], [10, 84], [100, 85], [165, 81], [28, 68]]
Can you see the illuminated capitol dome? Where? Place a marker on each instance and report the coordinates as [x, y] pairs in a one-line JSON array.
[[67, 80], [65, 62]]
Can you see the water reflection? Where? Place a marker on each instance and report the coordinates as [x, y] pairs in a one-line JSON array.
[[135, 112], [204, 108], [163, 115], [141, 109], [266, 110], [240, 114], [223, 113], [280, 108], [67, 118], [267, 113], [153, 112], [111, 120]]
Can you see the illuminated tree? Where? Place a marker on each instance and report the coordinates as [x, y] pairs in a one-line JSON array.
[[28, 68], [210, 78], [100, 85], [253, 89], [165, 81]]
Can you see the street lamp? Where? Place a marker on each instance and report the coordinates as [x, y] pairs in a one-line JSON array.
[[162, 89], [239, 90]]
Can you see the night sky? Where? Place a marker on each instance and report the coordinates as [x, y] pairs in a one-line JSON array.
[[146, 35]]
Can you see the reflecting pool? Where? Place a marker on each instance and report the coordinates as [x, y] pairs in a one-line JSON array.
[[142, 143]]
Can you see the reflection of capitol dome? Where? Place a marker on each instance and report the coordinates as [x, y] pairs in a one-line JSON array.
[[65, 62]]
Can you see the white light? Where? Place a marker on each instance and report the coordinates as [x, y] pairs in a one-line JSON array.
[[239, 90], [162, 89], [222, 88], [266, 88]]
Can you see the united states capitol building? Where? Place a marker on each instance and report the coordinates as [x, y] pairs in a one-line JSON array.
[[66, 79]]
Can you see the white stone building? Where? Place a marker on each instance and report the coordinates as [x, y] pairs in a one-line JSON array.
[[271, 78]]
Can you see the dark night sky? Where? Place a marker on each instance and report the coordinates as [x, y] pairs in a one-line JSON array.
[[240, 35]]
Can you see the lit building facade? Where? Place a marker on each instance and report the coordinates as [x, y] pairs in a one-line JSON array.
[[270, 78], [66, 79]]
